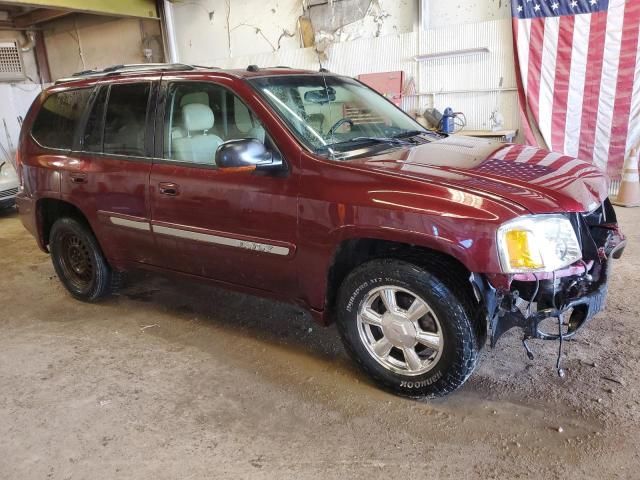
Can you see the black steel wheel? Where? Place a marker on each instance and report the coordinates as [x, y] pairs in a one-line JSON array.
[[79, 262]]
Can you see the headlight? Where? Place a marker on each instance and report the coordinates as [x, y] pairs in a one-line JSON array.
[[541, 243]]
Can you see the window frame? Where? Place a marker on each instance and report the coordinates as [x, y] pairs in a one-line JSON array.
[[79, 123], [152, 106], [78, 141], [163, 110]]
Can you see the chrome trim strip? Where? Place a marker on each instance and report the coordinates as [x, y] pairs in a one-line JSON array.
[[215, 239], [123, 222]]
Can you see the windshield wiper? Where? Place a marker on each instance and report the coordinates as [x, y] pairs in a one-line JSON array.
[[413, 133], [389, 140]]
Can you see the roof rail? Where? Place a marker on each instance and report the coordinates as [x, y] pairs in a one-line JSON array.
[[132, 67]]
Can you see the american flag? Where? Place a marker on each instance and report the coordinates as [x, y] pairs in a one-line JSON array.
[[579, 77]]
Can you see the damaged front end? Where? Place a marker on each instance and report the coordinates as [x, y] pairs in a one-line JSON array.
[[572, 295]]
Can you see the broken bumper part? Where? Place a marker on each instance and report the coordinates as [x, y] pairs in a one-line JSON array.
[[574, 294]]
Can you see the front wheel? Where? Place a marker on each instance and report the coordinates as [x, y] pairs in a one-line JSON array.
[[406, 329]]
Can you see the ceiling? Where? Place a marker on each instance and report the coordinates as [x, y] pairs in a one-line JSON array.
[[25, 14], [28, 17]]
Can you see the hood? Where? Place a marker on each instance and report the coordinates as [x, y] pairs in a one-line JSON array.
[[536, 179]]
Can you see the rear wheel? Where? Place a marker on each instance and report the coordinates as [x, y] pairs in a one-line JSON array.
[[79, 262], [406, 329]]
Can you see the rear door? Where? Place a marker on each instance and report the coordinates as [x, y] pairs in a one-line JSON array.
[[110, 175], [236, 227]]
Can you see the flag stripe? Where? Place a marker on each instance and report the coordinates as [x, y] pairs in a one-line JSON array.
[[577, 78], [592, 84], [608, 82], [527, 154], [539, 157], [561, 87], [547, 76], [535, 65], [627, 73], [514, 152], [633, 135], [523, 41], [503, 152], [521, 36]]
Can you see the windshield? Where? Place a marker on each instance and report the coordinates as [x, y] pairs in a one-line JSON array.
[[330, 114]]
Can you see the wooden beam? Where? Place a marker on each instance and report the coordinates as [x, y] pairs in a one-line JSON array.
[[35, 17], [42, 59], [118, 8]]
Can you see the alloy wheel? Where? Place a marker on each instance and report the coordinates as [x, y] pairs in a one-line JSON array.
[[400, 330]]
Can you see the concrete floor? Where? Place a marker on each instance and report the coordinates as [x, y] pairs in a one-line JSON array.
[[177, 380]]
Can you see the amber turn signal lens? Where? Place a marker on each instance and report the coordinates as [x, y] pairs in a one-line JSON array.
[[522, 251]]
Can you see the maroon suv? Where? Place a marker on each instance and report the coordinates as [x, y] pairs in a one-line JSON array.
[[311, 188]]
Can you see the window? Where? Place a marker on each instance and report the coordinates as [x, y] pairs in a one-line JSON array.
[[330, 114], [126, 119], [92, 139], [56, 122], [200, 117]]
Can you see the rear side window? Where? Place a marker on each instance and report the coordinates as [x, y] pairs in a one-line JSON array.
[[55, 125], [126, 119]]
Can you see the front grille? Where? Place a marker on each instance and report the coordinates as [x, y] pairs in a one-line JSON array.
[[9, 193]]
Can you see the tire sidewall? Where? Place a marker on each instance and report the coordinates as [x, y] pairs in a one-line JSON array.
[[100, 269], [454, 322]]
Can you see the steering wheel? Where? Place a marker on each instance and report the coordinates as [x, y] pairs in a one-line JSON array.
[[338, 124]]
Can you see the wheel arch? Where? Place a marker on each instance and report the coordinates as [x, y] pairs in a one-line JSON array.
[[353, 252], [48, 210]]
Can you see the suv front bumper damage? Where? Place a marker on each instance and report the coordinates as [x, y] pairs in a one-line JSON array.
[[573, 295]]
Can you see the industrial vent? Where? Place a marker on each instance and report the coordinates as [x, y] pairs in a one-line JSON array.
[[10, 61]]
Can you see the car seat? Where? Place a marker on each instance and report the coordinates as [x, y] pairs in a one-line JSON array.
[[198, 145]]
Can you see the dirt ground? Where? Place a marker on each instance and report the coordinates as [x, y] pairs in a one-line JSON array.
[[175, 380]]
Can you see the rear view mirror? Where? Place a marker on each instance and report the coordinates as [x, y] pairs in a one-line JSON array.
[[246, 153], [323, 95]]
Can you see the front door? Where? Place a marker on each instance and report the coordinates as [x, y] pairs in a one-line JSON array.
[[236, 227]]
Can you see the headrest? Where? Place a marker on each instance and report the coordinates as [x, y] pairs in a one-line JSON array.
[[195, 97], [196, 116]]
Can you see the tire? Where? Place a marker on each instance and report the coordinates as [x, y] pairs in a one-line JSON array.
[[79, 262], [440, 365]]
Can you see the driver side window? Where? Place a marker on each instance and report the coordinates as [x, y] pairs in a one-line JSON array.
[[199, 117]]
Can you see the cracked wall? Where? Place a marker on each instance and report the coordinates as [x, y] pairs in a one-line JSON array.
[[216, 29], [444, 13]]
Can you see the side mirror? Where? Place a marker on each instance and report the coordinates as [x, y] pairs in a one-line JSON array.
[[247, 153]]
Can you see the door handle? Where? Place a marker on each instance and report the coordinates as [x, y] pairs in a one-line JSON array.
[[78, 177], [168, 188]]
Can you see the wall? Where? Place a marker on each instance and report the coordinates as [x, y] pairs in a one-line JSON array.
[[16, 97], [444, 13], [81, 42], [476, 84], [213, 29]]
